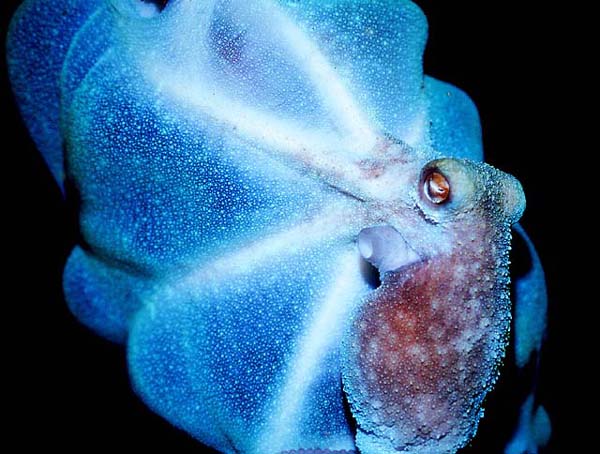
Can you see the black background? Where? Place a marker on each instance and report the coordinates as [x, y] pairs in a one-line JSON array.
[[68, 389]]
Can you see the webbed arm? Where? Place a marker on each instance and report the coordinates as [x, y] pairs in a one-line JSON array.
[[533, 428]]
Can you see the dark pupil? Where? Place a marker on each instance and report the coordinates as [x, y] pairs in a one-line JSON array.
[[160, 4]]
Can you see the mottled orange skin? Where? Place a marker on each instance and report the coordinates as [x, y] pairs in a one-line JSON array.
[[430, 339]]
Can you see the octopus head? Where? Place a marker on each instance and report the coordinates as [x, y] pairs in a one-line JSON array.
[[424, 349]]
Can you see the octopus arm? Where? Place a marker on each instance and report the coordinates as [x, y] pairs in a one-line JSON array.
[[534, 427], [39, 37], [455, 129]]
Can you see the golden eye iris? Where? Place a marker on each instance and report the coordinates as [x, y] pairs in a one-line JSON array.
[[436, 188]]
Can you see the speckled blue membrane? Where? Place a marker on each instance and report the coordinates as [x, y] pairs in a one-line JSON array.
[[159, 124]]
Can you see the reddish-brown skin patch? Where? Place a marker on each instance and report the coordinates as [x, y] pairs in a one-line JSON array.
[[429, 342]]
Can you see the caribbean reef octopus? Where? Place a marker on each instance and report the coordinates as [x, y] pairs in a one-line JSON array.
[[287, 224]]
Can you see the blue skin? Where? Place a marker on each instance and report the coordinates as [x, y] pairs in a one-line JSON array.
[[171, 190]]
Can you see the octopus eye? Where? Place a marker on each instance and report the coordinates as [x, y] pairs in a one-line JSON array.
[[436, 187]]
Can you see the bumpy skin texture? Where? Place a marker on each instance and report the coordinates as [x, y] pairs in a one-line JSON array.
[[425, 347], [232, 161]]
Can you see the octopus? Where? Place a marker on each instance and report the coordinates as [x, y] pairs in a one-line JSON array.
[[288, 225]]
